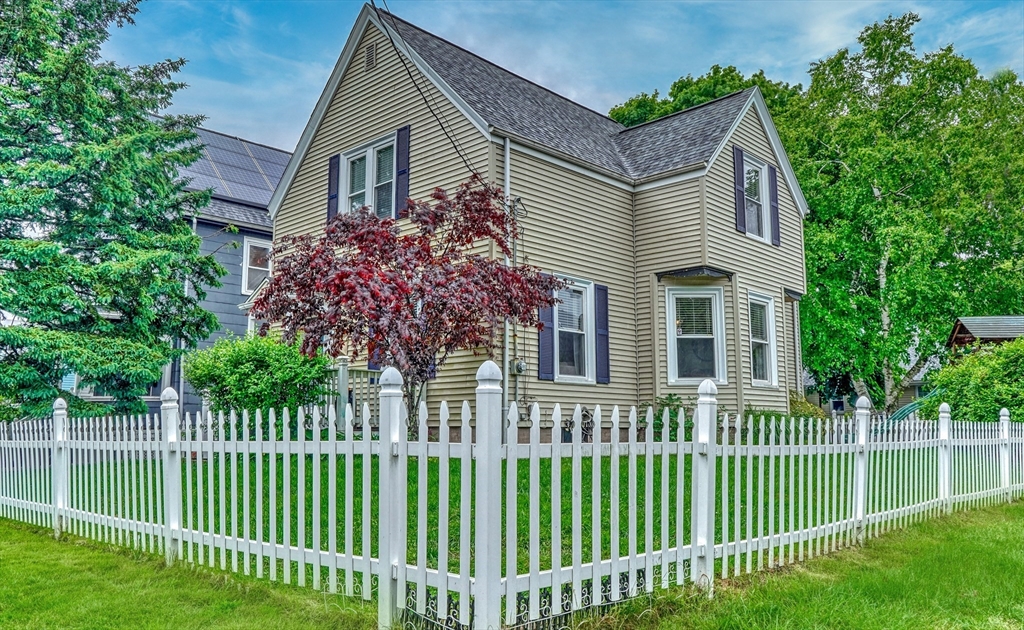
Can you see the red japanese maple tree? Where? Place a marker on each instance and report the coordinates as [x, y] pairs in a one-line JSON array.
[[409, 298]]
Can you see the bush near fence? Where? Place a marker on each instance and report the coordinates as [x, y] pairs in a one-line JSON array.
[[982, 379], [512, 531]]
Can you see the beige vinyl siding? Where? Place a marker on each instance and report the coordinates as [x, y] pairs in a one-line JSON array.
[[368, 105], [579, 226], [668, 236], [759, 266]]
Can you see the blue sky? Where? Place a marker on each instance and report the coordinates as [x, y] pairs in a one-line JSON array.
[[257, 67]]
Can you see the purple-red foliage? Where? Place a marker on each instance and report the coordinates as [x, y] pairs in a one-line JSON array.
[[364, 288]]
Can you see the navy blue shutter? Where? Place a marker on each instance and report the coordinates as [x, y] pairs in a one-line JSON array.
[[402, 171], [546, 344], [741, 202], [333, 170], [373, 362], [773, 195], [604, 374]]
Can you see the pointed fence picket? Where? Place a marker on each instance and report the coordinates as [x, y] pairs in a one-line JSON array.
[[486, 518]]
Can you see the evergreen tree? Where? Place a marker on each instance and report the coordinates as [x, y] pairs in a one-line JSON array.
[[95, 249]]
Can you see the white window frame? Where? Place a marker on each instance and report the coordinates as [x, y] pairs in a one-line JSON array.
[[367, 151], [717, 295], [766, 212], [247, 243], [773, 363], [589, 332]]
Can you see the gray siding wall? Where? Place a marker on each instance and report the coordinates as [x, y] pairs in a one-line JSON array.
[[228, 248]]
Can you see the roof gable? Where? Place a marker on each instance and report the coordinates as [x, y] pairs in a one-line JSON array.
[[500, 102]]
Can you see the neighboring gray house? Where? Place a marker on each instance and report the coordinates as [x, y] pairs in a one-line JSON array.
[[242, 175]]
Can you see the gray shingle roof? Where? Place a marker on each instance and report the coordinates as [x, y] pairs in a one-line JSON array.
[[681, 139], [997, 327], [236, 213], [513, 104], [241, 173]]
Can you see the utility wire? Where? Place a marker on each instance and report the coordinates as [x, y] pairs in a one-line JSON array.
[[438, 117]]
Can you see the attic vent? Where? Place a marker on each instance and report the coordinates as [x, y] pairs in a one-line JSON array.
[[370, 57]]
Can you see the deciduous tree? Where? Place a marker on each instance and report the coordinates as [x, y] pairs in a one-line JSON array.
[[409, 297]]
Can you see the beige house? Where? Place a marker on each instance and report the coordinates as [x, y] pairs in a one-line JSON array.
[[683, 237]]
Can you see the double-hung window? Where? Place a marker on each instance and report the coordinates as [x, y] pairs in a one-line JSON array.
[[255, 264], [370, 178], [574, 332], [696, 334], [755, 196], [762, 340]]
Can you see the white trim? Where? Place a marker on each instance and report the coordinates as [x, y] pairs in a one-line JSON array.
[[717, 295], [367, 150], [247, 243], [773, 361], [672, 179], [363, 20], [589, 332], [757, 101]]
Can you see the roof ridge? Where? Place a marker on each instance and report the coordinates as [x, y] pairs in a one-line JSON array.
[[501, 68], [258, 144], [689, 109]]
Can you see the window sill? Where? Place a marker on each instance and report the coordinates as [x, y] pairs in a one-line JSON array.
[[759, 239], [569, 380], [764, 385], [694, 382]]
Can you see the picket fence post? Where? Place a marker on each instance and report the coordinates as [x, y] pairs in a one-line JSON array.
[[1004, 452], [489, 429], [945, 460], [862, 416], [702, 512], [59, 465], [171, 438], [391, 532]]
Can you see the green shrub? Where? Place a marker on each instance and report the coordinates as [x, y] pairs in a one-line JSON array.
[[980, 382], [256, 372], [800, 407]]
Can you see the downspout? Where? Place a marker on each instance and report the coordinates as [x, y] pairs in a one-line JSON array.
[[504, 343]]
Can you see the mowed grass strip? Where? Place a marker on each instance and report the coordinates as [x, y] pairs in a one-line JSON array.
[[74, 583], [959, 571]]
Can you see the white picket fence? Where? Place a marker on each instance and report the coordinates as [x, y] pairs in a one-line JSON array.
[[509, 529]]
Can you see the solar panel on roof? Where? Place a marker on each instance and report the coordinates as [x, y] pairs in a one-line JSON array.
[[233, 158], [250, 178]]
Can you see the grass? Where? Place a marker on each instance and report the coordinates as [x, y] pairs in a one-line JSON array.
[[960, 571], [74, 583]]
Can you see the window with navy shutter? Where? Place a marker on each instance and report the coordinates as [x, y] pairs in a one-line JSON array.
[[573, 345], [333, 170], [757, 199], [401, 170]]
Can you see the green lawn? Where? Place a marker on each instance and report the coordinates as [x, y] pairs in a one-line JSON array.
[[73, 583], [961, 571]]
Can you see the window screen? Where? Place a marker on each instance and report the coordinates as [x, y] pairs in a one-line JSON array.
[[572, 333], [383, 197], [695, 337], [257, 266], [760, 354]]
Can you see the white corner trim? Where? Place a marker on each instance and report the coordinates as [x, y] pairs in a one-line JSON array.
[[757, 102]]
